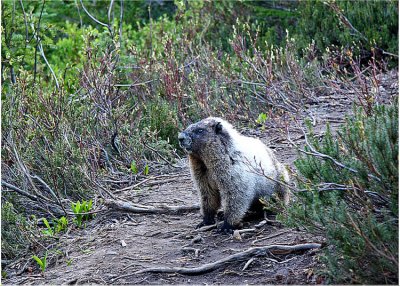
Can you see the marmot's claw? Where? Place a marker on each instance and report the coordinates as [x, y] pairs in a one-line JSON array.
[[205, 222], [220, 215], [226, 228], [200, 225]]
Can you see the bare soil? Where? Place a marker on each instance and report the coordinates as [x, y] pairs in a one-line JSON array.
[[115, 245]]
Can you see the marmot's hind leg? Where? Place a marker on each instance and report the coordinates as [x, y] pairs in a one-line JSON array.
[[256, 211]]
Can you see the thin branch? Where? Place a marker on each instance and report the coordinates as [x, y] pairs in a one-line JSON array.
[[88, 213], [19, 191], [134, 84], [389, 257], [315, 153], [389, 54], [109, 12], [91, 17], [110, 20], [47, 63], [271, 236], [12, 23], [36, 35], [36, 198], [79, 13], [344, 20], [158, 153], [45, 185], [121, 15], [25, 22]]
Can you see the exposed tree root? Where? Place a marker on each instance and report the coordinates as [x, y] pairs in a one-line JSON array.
[[245, 255], [137, 208]]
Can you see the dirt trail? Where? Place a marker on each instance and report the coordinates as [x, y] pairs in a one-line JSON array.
[[115, 245]]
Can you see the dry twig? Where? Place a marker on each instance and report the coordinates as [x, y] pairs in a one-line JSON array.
[[136, 208]]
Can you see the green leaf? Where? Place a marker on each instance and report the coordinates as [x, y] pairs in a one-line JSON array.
[[38, 261], [48, 232], [146, 170], [134, 167], [46, 222], [44, 262], [262, 117]]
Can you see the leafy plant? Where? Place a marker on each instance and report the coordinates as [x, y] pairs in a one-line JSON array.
[[261, 119], [41, 262], [352, 198], [61, 224], [69, 262], [146, 170], [81, 211], [134, 168], [49, 230]]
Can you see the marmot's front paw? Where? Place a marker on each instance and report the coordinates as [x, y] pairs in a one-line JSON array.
[[220, 215], [226, 228], [206, 222]]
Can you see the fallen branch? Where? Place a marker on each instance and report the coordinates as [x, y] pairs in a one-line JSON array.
[[248, 263], [19, 191], [208, 227], [245, 255], [270, 236], [136, 208]]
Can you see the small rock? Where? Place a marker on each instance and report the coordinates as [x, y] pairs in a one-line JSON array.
[[111, 253], [236, 235], [123, 243]]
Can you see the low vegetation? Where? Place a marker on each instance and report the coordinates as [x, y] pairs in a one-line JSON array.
[[349, 194]]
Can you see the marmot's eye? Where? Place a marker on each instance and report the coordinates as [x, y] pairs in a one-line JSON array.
[[199, 131]]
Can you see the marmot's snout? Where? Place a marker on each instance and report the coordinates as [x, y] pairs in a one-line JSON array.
[[185, 141]]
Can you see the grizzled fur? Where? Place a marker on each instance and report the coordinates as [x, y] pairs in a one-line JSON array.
[[223, 164]]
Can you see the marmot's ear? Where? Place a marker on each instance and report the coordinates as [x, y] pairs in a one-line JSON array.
[[218, 127]]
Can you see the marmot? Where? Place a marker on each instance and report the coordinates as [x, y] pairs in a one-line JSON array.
[[227, 168]]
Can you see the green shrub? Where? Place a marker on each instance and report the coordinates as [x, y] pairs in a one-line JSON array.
[[375, 20], [355, 207], [161, 117], [14, 232]]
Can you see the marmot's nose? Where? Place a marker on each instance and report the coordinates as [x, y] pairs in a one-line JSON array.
[[181, 137]]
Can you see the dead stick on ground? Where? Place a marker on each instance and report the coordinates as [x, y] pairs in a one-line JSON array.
[[208, 227], [271, 236], [128, 207], [248, 263], [245, 255]]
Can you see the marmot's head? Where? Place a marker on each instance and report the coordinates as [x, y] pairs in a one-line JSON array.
[[210, 132]]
